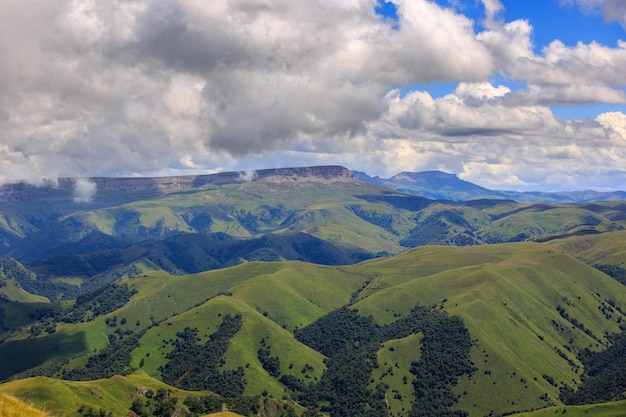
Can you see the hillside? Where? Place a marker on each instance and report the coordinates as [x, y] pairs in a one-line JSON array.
[[528, 307], [185, 225], [14, 407], [310, 286], [116, 395]]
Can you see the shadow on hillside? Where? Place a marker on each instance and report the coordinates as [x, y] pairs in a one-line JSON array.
[[20, 355]]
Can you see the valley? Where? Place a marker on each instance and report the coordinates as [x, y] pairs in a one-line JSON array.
[[257, 276]]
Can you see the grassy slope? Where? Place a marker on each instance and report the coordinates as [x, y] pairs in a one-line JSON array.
[[65, 397], [394, 360], [613, 409], [507, 295], [273, 299], [13, 292], [13, 407], [606, 248]]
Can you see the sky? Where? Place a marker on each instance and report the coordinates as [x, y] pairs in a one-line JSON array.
[[508, 94]]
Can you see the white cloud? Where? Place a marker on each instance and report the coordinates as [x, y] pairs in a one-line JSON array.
[[612, 10], [134, 88], [248, 176], [615, 122], [84, 190], [475, 132]]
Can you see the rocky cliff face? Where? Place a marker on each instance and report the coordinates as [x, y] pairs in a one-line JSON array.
[[19, 191], [223, 178]]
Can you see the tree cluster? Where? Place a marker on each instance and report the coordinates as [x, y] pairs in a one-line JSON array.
[[576, 323], [30, 282], [604, 378], [336, 329], [195, 367], [112, 360], [159, 404], [351, 342], [382, 220], [246, 406], [97, 303], [614, 271], [270, 363], [88, 411]]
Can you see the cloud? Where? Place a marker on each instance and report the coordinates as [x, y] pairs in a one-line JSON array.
[[615, 122], [475, 132], [612, 10], [247, 176], [119, 88], [84, 190], [492, 9]]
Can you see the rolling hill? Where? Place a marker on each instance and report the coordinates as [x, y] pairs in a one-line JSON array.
[[305, 288], [321, 215], [529, 309]]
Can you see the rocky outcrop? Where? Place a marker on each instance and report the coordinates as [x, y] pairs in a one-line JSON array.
[[18, 191]]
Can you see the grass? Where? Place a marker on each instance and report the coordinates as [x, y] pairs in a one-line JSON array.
[[63, 398], [14, 292], [13, 407], [612, 409], [394, 360], [506, 294], [606, 248]]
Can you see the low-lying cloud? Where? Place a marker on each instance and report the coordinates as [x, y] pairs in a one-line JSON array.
[[84, 190]]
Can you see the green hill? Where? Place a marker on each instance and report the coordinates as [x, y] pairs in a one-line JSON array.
[[342, 221], [115, 395], [359, 218], [310, 286], [529, 308], [14, 407]]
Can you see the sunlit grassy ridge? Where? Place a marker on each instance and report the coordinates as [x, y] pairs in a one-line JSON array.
[[14, 407], [64, 398], [606, 248], [507, 295]]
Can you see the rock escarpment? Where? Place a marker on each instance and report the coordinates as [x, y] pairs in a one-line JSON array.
[[20, 190]]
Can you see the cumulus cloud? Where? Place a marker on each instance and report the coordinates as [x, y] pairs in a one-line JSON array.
[[84, 190], [615, 122], [160, 87], [476, 133]]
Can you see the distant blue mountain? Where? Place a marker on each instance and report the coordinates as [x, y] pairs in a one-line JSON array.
[[439, 185]]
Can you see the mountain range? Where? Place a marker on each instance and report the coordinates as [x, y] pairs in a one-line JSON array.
[[439, 185], [309, 291]]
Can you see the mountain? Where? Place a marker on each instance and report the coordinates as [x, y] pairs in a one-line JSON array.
[[308, 288], [185, 225], [435, 185], [443, 186], [528, 308]]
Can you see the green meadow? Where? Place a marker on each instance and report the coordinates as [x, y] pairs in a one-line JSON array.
[[524, 278], [507, 296]]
